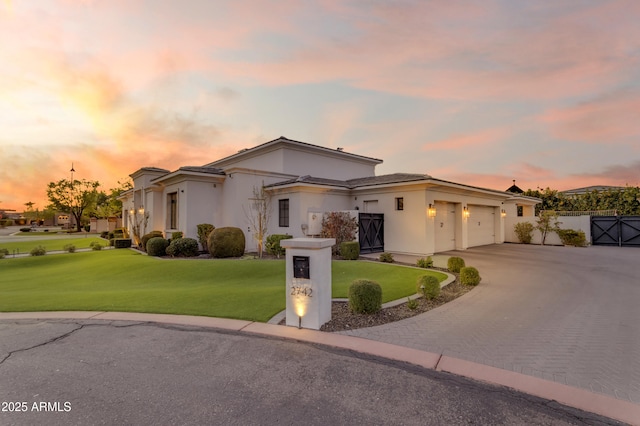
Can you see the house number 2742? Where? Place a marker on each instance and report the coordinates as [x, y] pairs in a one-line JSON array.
[[298, 290]]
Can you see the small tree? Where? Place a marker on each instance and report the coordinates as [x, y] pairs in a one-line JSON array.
[[259, 215], [339, 225], [73, 196], [547, 222], [139, 223]]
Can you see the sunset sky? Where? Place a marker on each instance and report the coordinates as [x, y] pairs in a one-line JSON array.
[[477, 92]]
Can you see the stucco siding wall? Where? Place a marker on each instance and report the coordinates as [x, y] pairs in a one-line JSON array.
[[304, 163], [203, 199]]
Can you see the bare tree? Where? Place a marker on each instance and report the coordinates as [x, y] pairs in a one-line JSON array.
[[258, 216]]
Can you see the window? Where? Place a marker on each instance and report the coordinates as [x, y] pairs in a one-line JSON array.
[[172, 207], [400, 203], [283, 213]]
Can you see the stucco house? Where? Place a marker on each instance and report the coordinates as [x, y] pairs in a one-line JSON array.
[[401, 212]]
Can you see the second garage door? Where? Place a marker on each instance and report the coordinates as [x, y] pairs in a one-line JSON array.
[[481, 225]]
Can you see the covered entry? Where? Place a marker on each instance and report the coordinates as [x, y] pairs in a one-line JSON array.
[[371, 232]]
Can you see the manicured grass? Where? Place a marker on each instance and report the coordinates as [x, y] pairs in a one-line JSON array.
[[122, 280], [50, 244]]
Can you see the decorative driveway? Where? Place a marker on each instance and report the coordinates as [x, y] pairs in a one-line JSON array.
[[565, 314]]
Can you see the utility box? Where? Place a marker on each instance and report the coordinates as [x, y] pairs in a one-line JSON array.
[[308, 275]]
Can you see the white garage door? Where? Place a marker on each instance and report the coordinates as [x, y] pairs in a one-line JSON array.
[[481, 225], [445, 226]]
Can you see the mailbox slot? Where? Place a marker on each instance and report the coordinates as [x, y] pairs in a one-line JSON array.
[[301, 267]]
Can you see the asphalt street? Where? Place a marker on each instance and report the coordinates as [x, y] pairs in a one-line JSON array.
[[71, 372]]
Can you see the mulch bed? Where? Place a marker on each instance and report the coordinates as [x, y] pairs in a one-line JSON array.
[[343, 319]]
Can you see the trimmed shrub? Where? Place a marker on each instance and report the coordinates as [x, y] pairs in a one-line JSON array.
[[386, 258], [350, 250], [95, 246], [157, 246], [146, 237], [25, 229], [425, 262], [177, 235], [122, 242], [365, 297], [226, 242], [4, 251], [428, 286], [571, 237], [454, 264], [69, 248], [273, 244], [469, 276], [183, 247], [524, 232], [204, 229], [38, 251]]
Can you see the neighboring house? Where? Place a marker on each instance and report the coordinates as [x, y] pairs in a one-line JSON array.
[[588, 189], [402, 213]]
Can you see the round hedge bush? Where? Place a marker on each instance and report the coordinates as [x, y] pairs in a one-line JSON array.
[[365, 297], [226, 242], [157, 246], [38, 251], [183, 247], [469, 276], [350, 250], [454, 264], [146, 237], [428, 286]]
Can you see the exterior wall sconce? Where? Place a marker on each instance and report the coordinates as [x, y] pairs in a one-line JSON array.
[[141, 210], [503, 213], [431, 211], [466, 213], [132, 211]]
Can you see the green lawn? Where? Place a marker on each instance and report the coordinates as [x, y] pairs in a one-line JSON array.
[[123, 280], [51, 244]]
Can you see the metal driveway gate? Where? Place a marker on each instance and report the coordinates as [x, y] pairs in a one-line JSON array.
[[371, 231], [622, 231]]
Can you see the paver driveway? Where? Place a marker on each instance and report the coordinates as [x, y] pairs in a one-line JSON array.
[[565, 314]]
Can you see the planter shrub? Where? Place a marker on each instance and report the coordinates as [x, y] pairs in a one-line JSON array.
[[454, 264], [524, 232], [177, 235], [157, 246], [146, 237], [226, 242], [122, 242], [3, 252], [469, 276], [428, 286], [571, 237], [273, 244], [365, 297], [386, 258], [69, 248], [350, 250], [425, 262], [183, 247], [95, 246]]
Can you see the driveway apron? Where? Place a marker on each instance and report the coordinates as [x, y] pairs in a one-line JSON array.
[[564, 314]]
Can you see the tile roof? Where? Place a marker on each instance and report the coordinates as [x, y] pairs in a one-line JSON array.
[[355, 183]]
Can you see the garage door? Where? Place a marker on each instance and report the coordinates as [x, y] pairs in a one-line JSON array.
[[481, 225], [445, 234]]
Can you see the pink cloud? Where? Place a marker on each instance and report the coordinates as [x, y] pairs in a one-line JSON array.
[[610, 119]]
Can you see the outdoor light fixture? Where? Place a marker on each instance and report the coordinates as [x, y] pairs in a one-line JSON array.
[[503, 213], [465, 213], [132, 211], [141, 210], [431, 211]]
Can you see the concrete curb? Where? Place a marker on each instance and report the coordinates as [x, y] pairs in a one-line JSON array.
[[573, 397]]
